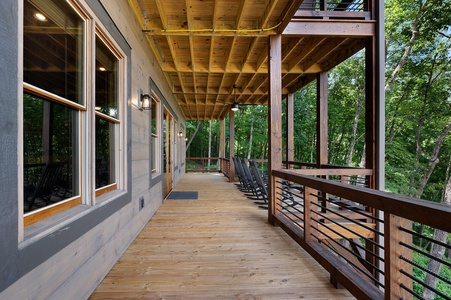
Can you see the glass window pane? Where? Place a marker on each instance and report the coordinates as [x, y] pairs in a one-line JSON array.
[[154, 152], [154, 116], [105, 153], [53, 48], [106, 80], [50, 152]]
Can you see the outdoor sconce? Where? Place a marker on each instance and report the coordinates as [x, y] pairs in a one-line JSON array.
[[235, 107], [180, 134], [144, 101]]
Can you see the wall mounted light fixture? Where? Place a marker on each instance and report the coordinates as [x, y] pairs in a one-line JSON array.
[[145, 102], [180, 134]]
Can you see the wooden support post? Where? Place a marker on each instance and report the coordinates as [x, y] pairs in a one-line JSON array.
[[221, 143], [393, 262], [370, 109], [232, 145], [321, 120], [321, 124], [290, 130], [274, 119]]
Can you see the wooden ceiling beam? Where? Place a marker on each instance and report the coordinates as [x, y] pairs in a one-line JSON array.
[[289, 49], [339, 56], [324, 51], [267, 13], [262, 59], [161, 13], [301, 82], [311, 44], [332, 28], [288, 14]]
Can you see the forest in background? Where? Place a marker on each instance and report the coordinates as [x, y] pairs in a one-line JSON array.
[[418, 115]]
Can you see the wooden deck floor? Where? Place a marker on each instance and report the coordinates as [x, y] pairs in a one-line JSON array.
[[217, 247]]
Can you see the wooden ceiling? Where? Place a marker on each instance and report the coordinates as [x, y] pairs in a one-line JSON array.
[[204, 47]]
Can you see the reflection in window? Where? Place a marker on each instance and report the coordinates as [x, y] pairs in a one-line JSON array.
[[105, 170], [154, 133], [53, 49], [106, 80], [106, 106], [50, 155]]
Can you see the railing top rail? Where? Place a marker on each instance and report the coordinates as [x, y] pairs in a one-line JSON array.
[[426, 212], [346, 171]]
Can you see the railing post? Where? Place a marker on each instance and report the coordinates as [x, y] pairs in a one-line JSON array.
[[393, 253], [309, 214], [276, 201]]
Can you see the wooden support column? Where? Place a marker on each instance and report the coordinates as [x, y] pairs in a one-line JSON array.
[[232, 145], [321, 120], [290, 130], [221, 142], [370, 109], [274, 119], [375, 122]]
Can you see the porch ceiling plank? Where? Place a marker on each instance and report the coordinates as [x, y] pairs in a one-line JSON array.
[[204, 47]]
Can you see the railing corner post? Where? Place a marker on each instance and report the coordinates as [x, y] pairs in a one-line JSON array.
[[394, 252]]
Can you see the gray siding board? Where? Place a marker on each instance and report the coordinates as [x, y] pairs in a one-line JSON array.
[[15, 262], [9, 270]]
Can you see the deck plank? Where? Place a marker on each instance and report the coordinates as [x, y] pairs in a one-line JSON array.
[[217, 247]]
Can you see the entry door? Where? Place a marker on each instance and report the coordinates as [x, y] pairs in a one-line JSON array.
[[168, 125]]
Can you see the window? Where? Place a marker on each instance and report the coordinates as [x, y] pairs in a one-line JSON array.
[[58, 106], [52, 104], [106, 106], [155, 146]]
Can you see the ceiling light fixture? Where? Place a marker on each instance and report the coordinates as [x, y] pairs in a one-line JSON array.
[[40, 17], [235, 105]]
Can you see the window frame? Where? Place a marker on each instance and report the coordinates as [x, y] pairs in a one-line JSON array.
[[45, 212], [88, 194], [155, 138], [119, 130]]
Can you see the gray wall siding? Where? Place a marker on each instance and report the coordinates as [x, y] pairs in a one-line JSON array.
[[9, 70], [68, 261]]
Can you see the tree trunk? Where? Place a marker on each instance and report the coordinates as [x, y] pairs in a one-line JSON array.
[[209, 146], [194, 134], [409, 46], [431, 164], [437, 250], [354, 131], [250, 139]]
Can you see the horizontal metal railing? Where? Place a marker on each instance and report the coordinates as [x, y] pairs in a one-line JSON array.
[[334, 5], [367, 239]]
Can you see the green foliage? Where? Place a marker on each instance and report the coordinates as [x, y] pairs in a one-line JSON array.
[[445, 272]]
